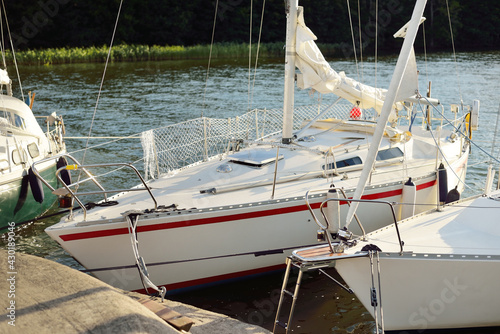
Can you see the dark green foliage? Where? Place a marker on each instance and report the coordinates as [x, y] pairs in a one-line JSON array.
[[82, 23], [133, 52]]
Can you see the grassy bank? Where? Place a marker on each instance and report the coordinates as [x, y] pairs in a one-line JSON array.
[[145, 53]]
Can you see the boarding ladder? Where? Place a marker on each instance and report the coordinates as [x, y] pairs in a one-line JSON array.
[[322, 257], [321, 260]]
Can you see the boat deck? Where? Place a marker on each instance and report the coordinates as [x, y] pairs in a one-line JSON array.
[[302, 168], [449, 231]]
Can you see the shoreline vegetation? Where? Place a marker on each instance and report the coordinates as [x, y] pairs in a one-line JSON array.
[[63, 31], [125, 52], [138, 52]]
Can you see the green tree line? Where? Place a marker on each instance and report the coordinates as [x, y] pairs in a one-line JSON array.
[[45, 24]]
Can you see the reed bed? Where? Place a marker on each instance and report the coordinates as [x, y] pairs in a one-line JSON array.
[[125, 52]]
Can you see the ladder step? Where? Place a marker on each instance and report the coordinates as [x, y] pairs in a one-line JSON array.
[[288, 293], [281, 324]]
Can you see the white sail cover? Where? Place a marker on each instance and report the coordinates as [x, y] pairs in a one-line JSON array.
[[317, 74], [4, 77]]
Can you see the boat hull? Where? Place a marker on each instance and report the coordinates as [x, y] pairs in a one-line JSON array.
[[17, 203], [233, 229], [184, 249], [446, 291]]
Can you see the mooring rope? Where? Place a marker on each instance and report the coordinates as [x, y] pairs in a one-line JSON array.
[[141, 265]]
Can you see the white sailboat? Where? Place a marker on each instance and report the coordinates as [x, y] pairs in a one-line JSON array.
[[238, 211], [436, 270], [446, 276]]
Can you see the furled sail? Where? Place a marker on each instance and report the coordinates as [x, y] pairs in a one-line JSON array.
[[317, 74], [397, 89], [4, 77]]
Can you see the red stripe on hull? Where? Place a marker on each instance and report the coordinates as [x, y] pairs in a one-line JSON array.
[[426, 185], [222, 219], [188, 223]]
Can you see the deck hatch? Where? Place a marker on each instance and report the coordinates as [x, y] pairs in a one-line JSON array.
[[255, 158], [344, 163]]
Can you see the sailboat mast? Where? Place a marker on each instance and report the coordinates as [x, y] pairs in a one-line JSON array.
[[389, 101], [291, 27]]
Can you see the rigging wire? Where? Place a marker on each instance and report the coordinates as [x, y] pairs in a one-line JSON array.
[[441, 153], [2, 46], [457, 129], [354, 43], [101, 85], [12, 47], [250, 55], [3, 40], [493, 144], [210, 56], [376, 44], [425, 53], [257, 53], [360, 43], [494, 141], [352, 36], [454, 53]]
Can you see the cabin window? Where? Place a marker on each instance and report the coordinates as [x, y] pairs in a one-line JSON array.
[[390, 153], [18, 157], [4, 120], [19, 121], [33, 150], [4, 165], [344, 163]]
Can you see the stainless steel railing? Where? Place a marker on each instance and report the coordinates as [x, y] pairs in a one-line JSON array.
[[67, 190]]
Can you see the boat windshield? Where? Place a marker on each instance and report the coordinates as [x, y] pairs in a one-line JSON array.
[[9, 119]]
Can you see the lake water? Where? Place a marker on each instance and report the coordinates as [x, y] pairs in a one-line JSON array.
[[141, 96]]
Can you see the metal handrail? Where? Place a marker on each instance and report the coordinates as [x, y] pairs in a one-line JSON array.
[[103, 191], [368, 201], [325, 228], [77, 166], [68, 156]]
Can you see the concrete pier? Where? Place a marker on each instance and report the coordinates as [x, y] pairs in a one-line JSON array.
[[42, 296]]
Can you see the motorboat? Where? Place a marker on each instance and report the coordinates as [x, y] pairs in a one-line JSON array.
[[23, 142]]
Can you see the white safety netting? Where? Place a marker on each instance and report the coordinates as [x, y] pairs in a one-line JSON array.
[[175, 146]]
